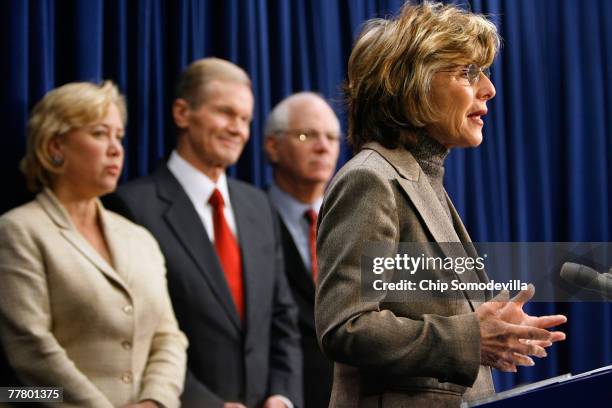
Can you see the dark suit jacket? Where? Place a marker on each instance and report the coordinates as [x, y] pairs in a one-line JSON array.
[[227, 362], [318, 369], [415, 352]]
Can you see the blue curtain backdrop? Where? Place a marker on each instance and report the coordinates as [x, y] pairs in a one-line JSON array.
[[543, 173]]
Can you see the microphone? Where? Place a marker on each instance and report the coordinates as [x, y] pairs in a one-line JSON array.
[[587, 278]]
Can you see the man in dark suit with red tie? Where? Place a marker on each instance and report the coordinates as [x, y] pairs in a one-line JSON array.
[[222, 247], [302, 143]]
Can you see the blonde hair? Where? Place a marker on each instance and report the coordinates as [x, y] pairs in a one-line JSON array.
[[192, 82], [393, 62], [67, 107]]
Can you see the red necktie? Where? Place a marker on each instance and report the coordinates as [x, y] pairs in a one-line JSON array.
[[228, 252], [311, 215]]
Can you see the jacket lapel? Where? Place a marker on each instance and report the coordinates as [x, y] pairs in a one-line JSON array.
[[414, 182], [298, 274], [120, 245], [60, 217], [467, 243], [246, 225], [186, 225]]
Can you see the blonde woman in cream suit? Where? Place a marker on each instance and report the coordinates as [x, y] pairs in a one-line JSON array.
[[83, 300]]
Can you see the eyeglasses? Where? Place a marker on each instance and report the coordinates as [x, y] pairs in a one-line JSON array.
[[310, 136], [471, 72]]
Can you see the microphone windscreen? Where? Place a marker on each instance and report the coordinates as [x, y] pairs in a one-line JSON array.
[[578, 275]]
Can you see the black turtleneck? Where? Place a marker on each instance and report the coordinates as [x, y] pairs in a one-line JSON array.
[[431, 155]]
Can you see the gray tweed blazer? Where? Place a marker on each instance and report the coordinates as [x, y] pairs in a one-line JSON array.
[[393, 354]]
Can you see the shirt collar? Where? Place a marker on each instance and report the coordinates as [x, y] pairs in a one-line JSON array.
[[288, 206], [196, 184]]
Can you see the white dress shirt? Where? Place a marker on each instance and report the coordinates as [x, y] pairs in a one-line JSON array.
[[199, 188]]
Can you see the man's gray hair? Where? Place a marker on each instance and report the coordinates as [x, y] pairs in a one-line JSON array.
[[278, 118]]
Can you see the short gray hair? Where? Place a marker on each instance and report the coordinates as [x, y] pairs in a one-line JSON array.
[[278, 118]]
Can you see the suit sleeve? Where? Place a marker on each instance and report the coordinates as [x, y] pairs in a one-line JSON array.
[[25, 322], [285, 353], [360, 207], [164, 373]]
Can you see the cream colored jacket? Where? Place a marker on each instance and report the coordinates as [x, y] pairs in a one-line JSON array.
[[106, 334]]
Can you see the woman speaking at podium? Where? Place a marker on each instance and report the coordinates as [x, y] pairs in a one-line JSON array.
[[418, 86]]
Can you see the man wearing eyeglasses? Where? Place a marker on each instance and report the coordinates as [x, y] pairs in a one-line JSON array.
[[302, 143]]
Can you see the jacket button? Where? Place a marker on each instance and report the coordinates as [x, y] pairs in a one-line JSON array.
[[127, 378], [126, 345], [128, 309]]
